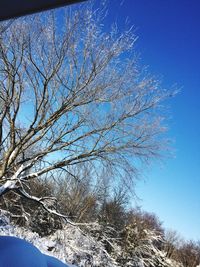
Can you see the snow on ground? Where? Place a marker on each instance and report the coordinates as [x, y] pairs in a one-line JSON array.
[[70, 245]]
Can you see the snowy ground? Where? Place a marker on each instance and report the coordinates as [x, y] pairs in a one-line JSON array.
[[70, 245], [75, 248]]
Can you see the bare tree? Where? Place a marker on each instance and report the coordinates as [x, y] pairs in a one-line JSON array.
[[189, 254], [78, 198], [72, 93], [172, 243]]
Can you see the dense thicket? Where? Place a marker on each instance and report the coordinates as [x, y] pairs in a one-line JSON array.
[[129, 236]]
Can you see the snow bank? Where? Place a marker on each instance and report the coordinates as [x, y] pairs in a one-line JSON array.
[[69, 245], [76, 248]]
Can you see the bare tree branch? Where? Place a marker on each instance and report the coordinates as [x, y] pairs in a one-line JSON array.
[[73, 93]]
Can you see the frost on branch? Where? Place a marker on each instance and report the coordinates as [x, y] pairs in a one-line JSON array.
[[87, 246], [72, 93]]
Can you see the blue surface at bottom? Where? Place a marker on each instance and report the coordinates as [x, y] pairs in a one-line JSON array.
[[15, 252]]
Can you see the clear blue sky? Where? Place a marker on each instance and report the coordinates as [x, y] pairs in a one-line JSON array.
[[169, 42]]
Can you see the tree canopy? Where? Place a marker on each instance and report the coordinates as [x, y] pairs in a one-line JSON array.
[[72, 94]]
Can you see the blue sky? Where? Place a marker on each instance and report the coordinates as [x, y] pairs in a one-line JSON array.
[[169, 43]]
